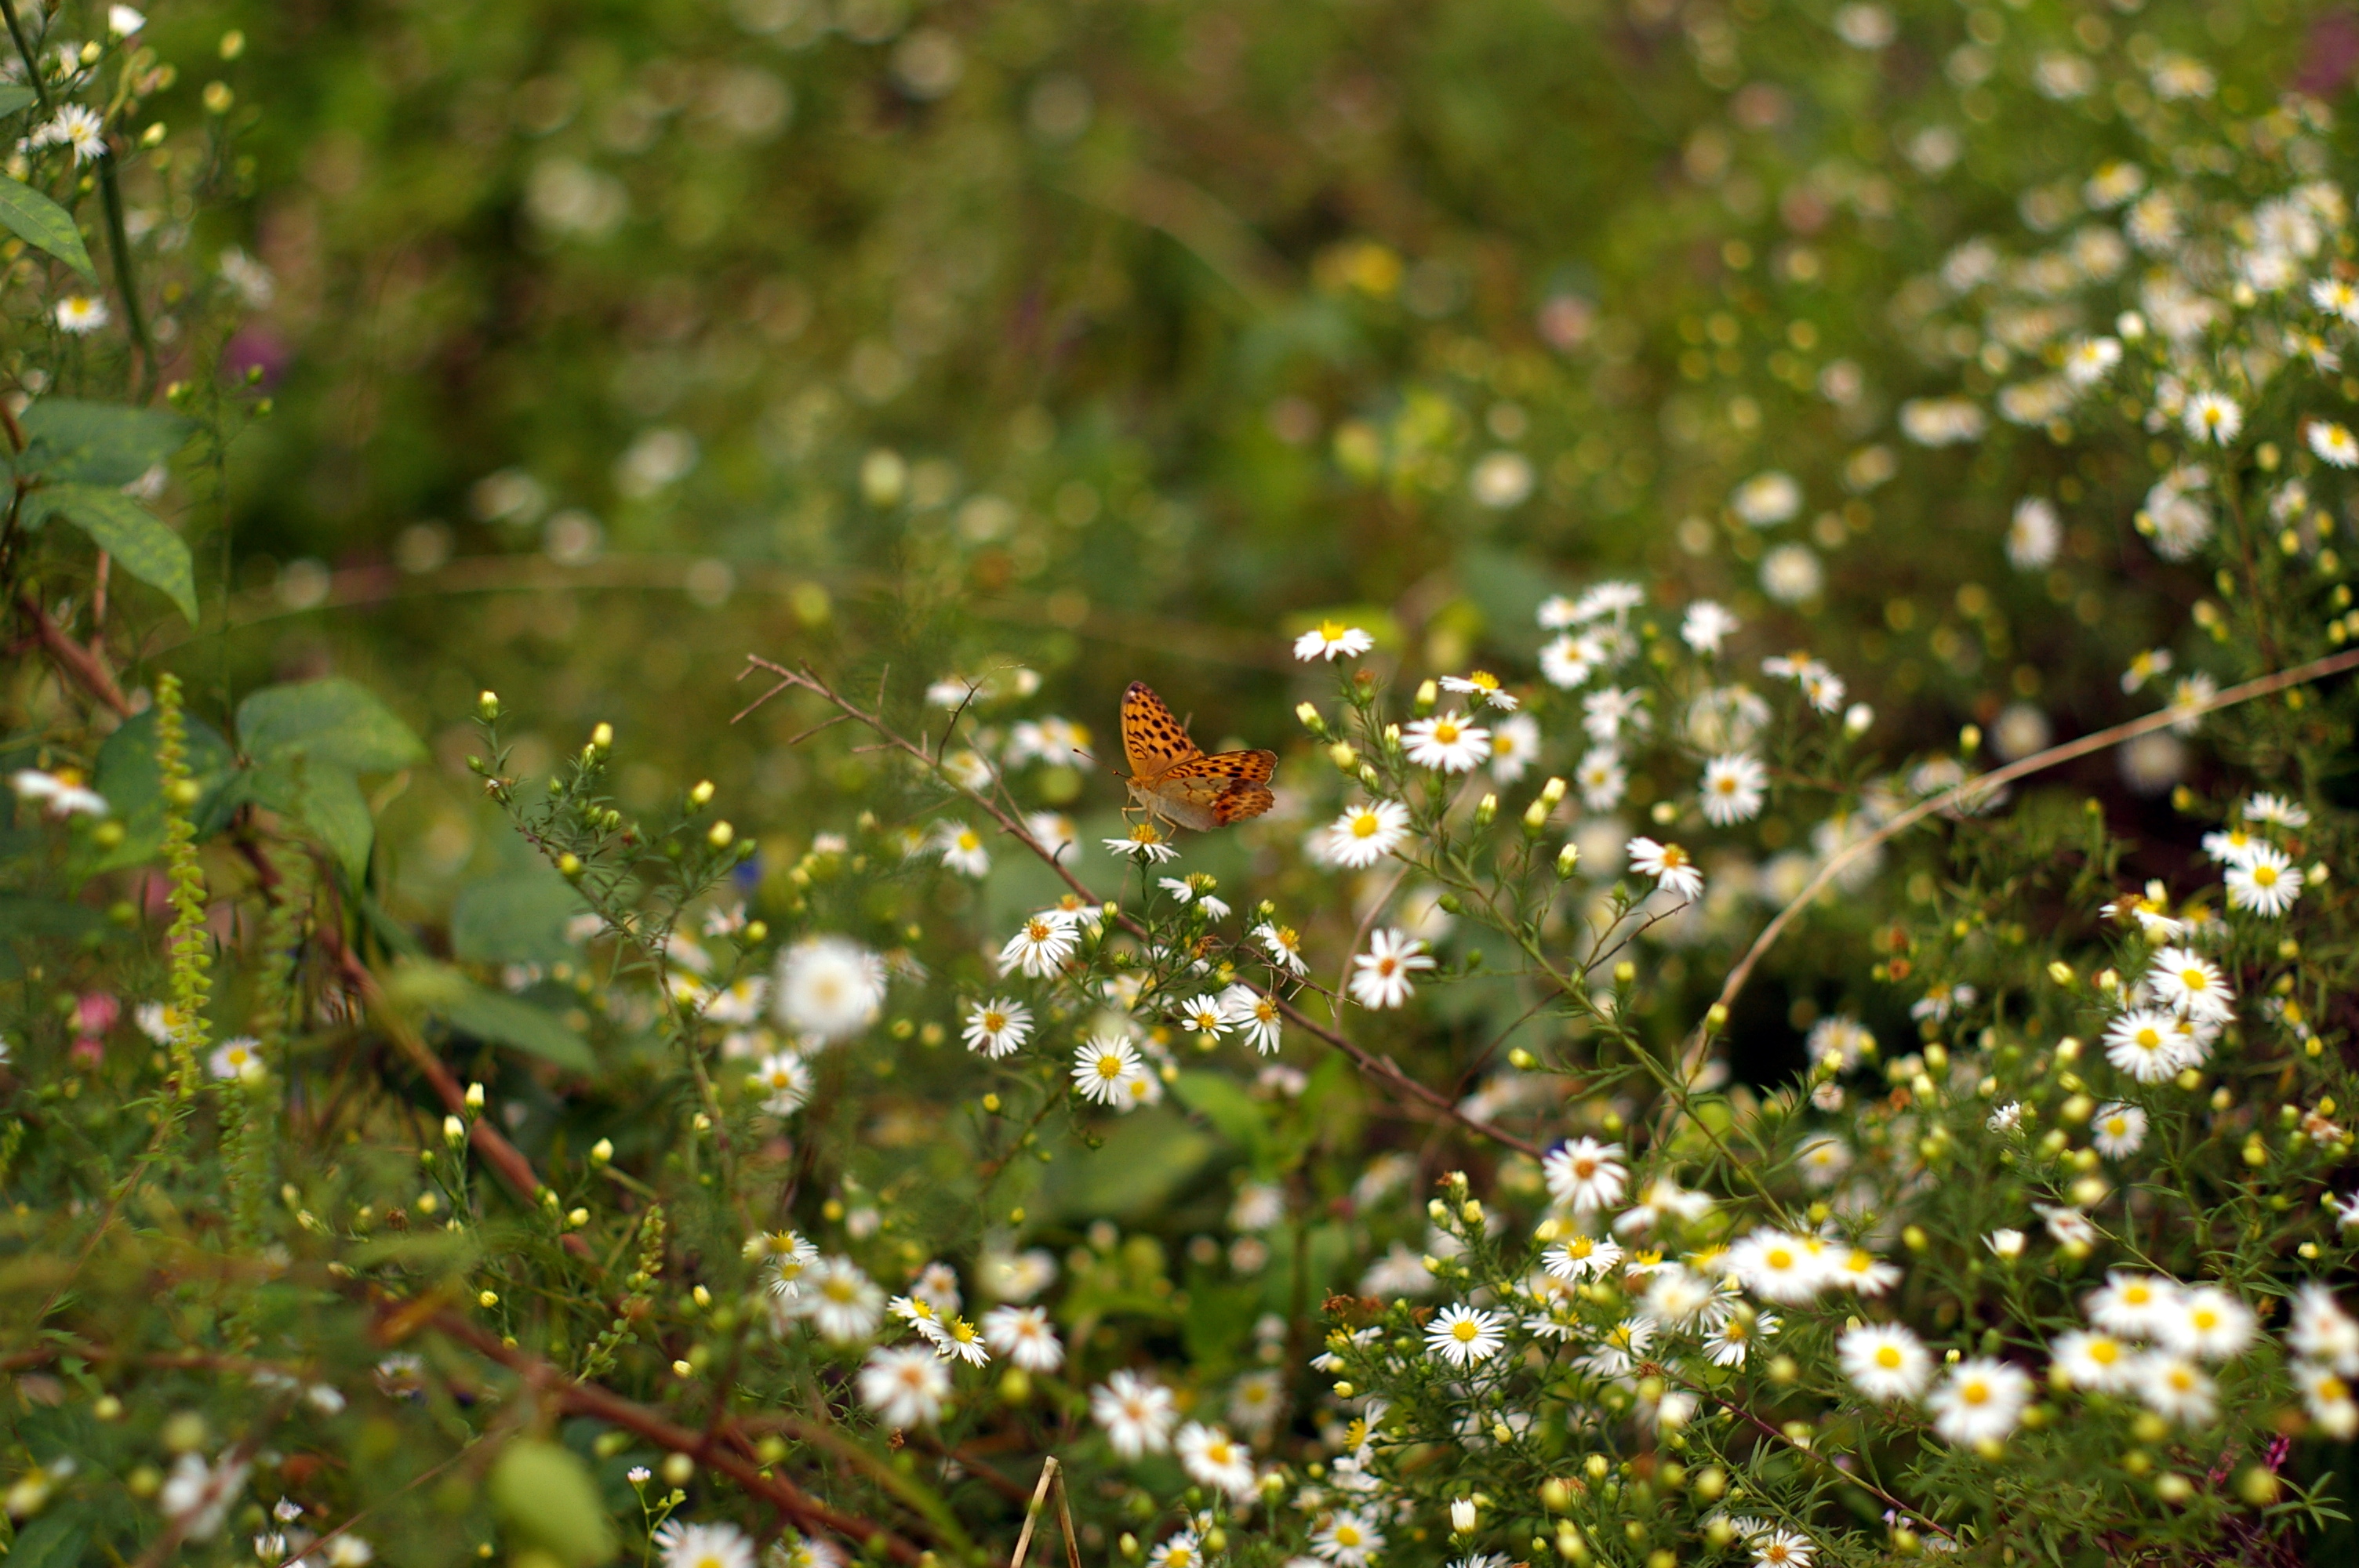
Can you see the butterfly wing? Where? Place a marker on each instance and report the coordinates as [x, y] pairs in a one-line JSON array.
[[1151, 737], [1227, 786]]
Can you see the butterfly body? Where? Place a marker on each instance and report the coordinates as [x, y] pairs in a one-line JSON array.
[[1176, 781]]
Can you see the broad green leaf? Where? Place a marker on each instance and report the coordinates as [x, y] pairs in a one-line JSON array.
[[133, 787], [518, 917], [56, 1542], [337, 721], [1145, 1156], [443, 992], [134, 535], [111, 444], [546, 1495], [14, 98], [37, 220], [1223, 1102], [325, 798]]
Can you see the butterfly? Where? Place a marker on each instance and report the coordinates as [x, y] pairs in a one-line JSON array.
[[1176, 782]]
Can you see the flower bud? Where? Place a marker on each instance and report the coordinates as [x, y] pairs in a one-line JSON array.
[[719, 835], [1486, 810], [1309, 714], [487, 705], [2060, 972], [1857, 718], [1566, 860], [1536, 817], [1344, 756], [702, 794], [602, 1151], [1427, 694], [1462, 1516], [474, 1097], [570, 866], [1552, 792], [602, 737], [455, 1131]]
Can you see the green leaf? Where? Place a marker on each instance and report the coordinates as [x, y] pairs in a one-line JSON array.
[[37, 220], [134, 535], [516, 918], [546, 1495], [1143, 1161], [1223, 1102], [110, 444], [337, 721], [14, 98], [443, 992], [324, 798], [133, 787], [53, 1542]]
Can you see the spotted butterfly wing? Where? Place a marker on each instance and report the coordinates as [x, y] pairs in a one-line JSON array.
[[1173, 778], [1232, 785]]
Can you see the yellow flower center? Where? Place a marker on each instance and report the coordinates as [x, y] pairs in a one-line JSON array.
[[1446, 733], [1889, 1357], [1109, 1066], [2265, 876], [992, 1022], [1975, 1393], [1466, 1330], [1365, 825]]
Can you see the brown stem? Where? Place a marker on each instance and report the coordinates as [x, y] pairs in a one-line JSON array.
[[603, 1404], [87, 666]]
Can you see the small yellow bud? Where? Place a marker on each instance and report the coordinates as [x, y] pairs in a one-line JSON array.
[[602, 1151], [719, 835], [702, 794], [602, 737], [487, 1298]]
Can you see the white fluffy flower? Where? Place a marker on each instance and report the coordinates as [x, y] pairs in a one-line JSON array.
[[1981, 1400], [905, 1386], [829, 987]]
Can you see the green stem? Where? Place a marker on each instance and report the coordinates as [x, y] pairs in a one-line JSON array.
[[125, 281], [25, 52]]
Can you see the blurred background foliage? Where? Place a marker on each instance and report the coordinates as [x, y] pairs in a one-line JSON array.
[[609, 343]]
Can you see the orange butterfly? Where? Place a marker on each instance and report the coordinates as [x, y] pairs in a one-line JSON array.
[[1174, 780]]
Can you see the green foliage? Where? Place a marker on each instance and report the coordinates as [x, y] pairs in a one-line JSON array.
[[465, 1131]]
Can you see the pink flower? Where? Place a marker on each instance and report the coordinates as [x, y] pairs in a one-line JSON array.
[[96, 1012]]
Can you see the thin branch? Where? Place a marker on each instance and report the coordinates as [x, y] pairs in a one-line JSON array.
[[1985, 783], [603, 1404], [1383, 1070], [85, 666]]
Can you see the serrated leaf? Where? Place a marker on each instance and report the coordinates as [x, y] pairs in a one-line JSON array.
[[516, 918], [14, 98], [443, 992], [546, 1495], [337, 721], [133, 787], [56, 1542], [134, 535], [37, 220], [68, 440]]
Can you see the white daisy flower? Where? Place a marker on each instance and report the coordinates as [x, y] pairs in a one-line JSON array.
[[1104, 1069], [1734, 788], [1366, 833], [2267, 883], [1380, 977], [1981, 1400], [1672, 867], [1333, 640], [1885, 1361], [998, 1027], [1446, 743]]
